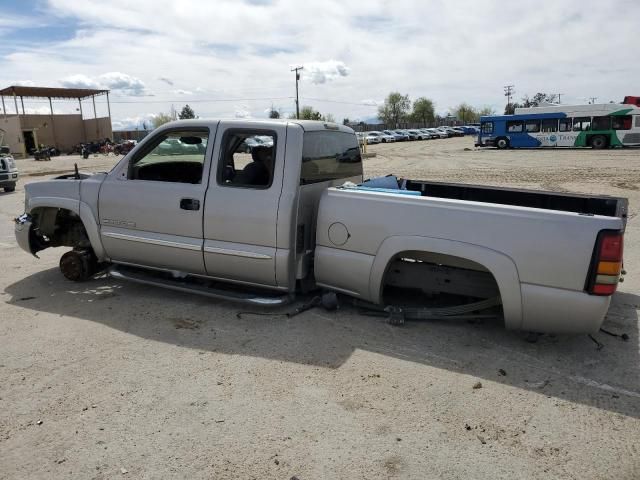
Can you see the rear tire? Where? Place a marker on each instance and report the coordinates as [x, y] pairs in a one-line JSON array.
[[502, 143], [599, 142]]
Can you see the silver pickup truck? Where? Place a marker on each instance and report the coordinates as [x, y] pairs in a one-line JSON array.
[[260, 210]]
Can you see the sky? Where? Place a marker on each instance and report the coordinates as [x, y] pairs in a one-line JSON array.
[[233, 58]]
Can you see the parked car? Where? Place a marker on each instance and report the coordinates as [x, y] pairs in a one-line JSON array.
[[439, 133], [541, 261], [470, 130], [384, 138], [398, 137], [418, 135], [459, 130], [447, 131], [8, 170], [369, 139], [402, 133], [431, 134]]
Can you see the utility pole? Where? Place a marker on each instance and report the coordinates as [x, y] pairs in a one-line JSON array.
[[559, 97], [593, 100], [509, 90], [297, 70]]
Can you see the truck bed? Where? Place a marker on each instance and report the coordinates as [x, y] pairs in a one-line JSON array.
[[569, 202]]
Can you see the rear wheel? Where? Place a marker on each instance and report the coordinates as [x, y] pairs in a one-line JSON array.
[[599, 142], [502, 143]]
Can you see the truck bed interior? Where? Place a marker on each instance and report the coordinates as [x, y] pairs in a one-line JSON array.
[[568, 202]]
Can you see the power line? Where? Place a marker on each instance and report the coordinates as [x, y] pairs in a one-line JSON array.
[[509, 90]]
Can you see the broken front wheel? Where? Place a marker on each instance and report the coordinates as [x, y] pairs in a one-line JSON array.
[[78, 265]]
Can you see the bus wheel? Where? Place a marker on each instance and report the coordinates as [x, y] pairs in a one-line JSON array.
[[599, 142], [502, 143]]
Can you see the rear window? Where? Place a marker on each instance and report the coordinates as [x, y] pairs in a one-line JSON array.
[[329, 155]]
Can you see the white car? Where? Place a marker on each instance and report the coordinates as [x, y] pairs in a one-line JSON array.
[[419, 135], [440, 133], [366, 137], [384, 137]]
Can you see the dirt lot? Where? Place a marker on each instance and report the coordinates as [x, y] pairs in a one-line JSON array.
[[114, 380]]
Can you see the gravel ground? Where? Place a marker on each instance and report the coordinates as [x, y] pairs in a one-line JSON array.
[[114, 380]]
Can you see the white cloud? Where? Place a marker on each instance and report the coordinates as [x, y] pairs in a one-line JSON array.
[[182, 92], [323, 72], [115, 81], [372, 103], [135, 123], [242, 111]]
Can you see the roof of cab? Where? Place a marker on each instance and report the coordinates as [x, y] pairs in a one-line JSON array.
[[307, 125]]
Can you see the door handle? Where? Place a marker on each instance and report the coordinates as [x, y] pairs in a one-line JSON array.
[[189, 204]]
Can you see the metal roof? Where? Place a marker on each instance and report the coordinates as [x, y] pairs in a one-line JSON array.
[[48, 92]]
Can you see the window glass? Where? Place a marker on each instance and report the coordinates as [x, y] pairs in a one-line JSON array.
[[175, 156], [532, 126], [565, 124], [601, 123], [581, 124], [621, 122], [550, 125], [515, 126], [637, 120], [329, 155], [487, 128], [247, 158]]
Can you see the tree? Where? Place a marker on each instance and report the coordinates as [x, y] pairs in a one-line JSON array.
[[466, 113], [273, 113], [161, 119], [395, 109], [538, 99], [328, 117], [346, 121], [187, 112], [511, 108], [423, 111], [485, 111], [308, 113]]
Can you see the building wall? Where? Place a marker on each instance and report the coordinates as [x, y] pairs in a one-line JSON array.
[[12, 134], [61, 131]]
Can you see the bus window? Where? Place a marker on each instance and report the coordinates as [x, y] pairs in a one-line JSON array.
[[486, 128], [515, 126], [621, 122], [601, 123], [565, 124], [550, 125], [581, 124], [532, 126], [637, 120]]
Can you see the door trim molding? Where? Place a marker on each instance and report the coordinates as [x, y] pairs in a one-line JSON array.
[[237, 253], [152, 241]]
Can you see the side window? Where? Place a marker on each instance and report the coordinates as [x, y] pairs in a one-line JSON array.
[[601, 123], [637, 120], [621, 122], [175, 156], [515, 126], [550, 125], [487, 128], [565, 125], [532, 126], [329, 155], [581, 124], [247, 158]]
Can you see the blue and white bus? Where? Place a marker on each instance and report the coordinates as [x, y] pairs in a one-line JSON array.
[[596, 126]]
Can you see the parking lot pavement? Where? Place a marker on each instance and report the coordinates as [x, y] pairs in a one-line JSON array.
[[108, 379]]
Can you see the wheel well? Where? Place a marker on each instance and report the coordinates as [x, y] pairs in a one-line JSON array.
[[433, 274], [59, 227], [592, 136]]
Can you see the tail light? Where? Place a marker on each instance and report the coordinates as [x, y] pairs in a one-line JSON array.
[[606, 264]]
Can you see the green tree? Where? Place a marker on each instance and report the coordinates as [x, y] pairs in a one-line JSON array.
[[187, 112], [423, 111], [395, 109], [345, 121], [466, 113], [538, 99], [161, 119], [273, 113], [484, 111], [308, 113]]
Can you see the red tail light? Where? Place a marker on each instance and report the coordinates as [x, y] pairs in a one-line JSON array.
[[606, 264]]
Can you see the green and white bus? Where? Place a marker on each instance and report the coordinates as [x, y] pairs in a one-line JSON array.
[[596, 126]]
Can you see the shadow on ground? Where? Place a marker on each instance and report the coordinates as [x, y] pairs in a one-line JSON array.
[[566, 367]]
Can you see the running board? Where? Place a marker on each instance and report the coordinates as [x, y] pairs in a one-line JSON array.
[[204, 287]]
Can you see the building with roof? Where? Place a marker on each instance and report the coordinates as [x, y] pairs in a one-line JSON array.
[[23, 132]]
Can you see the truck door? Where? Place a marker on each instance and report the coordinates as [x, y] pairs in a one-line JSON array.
[[151, 206], [241, 207]]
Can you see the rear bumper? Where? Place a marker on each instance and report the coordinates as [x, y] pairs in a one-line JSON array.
[[553, 310]]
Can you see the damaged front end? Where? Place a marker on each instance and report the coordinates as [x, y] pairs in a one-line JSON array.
[[50, 227], [27, 237]]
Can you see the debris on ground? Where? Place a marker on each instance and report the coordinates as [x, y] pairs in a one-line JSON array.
[[477, 385], [482, 440]]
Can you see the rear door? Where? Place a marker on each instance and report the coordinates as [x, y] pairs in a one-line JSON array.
[[241, 207], [151, 206]]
